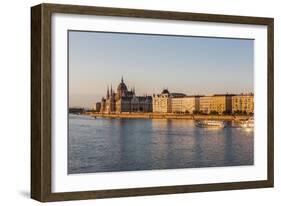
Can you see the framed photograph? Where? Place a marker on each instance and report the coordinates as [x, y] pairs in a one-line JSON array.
[[130, 102]]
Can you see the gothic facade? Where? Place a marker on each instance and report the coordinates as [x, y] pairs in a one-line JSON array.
[[124, 100]]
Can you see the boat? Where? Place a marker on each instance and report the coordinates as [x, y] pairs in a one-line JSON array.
[[249, 123], [210, 124]]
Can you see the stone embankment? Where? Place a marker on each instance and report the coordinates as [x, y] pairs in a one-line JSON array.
[[167, 116]]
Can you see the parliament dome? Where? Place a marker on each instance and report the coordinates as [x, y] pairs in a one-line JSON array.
[[122, 87]]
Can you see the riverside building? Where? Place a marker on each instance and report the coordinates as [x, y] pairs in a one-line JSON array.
[[162, 102], [124, 100], [243, 103], [205, 104], [97, 107], [187, 104], [167, 102], [218, 103]]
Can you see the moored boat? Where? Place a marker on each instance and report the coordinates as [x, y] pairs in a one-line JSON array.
[[248, 123], [210, 124]]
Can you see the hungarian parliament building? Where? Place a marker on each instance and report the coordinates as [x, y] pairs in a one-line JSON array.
[[124, 100]]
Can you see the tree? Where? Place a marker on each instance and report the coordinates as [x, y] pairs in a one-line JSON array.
[[226, 112], [213, 112], [238, 112], [196, 112]]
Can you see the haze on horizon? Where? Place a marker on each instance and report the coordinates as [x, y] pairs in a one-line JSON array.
[[149, 63]]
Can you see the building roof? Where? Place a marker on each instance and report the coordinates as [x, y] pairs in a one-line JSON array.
[[165, 91], [144, 97], [177, 95], [227, 94], [243, 94]]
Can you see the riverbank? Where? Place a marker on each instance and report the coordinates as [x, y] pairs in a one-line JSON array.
[[167, 116]]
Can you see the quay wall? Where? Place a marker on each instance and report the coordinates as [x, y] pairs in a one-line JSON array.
[[167, 116]]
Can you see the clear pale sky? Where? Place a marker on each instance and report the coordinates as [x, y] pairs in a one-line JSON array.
[[191, 65]]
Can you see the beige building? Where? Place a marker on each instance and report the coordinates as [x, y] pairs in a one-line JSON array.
[[221, 103], [216, 103], [243, 103], [205, 104], [162, 102], [187, 104]]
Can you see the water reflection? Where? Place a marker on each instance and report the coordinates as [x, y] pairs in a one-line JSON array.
[[100, 145]]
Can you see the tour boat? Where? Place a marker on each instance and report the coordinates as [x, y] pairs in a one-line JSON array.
[[210, 124], [248, 123]]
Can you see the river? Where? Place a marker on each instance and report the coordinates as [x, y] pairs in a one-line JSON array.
[[107, 145]]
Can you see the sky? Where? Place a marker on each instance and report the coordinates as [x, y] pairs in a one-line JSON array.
[[186, 64]]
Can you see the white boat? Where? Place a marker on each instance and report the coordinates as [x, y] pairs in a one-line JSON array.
[[210, 124], [248, 123]]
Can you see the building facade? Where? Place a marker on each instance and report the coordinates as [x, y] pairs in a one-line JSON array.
[[243, 103], [205, 104], [97, 107], [187, 104], [218, 103], [162, 103], [124, 100], [221, 104]]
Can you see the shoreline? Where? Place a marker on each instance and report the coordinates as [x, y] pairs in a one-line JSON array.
[[168, 116]]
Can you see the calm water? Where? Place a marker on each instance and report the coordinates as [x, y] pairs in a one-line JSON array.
[[103, 145]]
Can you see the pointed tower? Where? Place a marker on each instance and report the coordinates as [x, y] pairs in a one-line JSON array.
[[107, 93], [122, 81]]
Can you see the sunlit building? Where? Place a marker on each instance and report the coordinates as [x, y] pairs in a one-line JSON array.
[[218, 103], [124, 100], [205, 104], [187, 104], [221, 103], [243, 103], [162, 102]]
